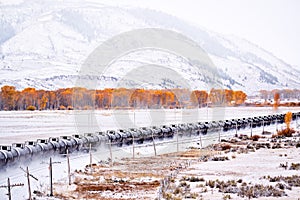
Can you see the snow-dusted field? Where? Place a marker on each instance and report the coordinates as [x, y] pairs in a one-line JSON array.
[[20, 126]]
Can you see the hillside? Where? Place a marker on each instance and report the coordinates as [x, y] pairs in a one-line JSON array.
[[43, 44]]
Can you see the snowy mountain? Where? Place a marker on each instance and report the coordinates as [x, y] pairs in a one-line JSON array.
[[43, 44]]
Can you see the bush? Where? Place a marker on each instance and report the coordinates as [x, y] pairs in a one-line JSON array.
[[227, 196], [196, 179], [182, 184], [288, 132], [295, 166], [226, 147], [87, 108], [255, 137], [211, 183], [62, 107], [70, 108], [177, 190], [221, 158], [31, 108]]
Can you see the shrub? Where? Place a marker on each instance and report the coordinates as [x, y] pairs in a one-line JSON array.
[[221, 158], [211, 184], [280, 186], [255, 137], [226, 147], [31, 108], [87, 108], [227, 196], [199, 185], [70, 108], [196, 179], [295, 166], [168, 196], [288, 132], [182, 184], [194, 195], [177, 190], [62, 107]]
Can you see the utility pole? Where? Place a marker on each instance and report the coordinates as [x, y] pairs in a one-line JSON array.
[[28, 175], [69, 168], [251, 127], [9, 186], [177, 141], [110, 153], [91, 157], [176, 125], [89, 122], [207, 110], [154, 147], [134, 125], [200, 140], [51, 180], [28, 181], [133, 146], [50, 176]]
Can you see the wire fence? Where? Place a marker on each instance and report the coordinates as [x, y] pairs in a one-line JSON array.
[[111, 153]]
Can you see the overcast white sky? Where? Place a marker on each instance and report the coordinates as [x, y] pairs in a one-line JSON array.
[[271, 24]]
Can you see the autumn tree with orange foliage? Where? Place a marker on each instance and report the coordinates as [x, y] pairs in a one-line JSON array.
[[239, 97], [226, 97], [288, 119], [217, 96], [288, 131], [8, 98], [29, 97], [199, 98], [276, 100]]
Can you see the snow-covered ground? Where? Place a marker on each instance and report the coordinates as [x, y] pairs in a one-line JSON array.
[[20, 126], [250, 168]]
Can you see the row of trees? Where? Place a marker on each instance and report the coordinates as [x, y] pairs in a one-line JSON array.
[[284, 94], [82, 98]]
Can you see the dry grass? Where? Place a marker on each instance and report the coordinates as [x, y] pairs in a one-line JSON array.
[[288, 132], [129, 176]]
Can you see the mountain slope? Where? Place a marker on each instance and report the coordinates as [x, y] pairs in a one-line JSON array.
[[44, 43]]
